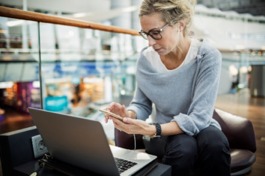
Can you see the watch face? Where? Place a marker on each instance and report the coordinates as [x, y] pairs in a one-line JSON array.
[[155, 136]]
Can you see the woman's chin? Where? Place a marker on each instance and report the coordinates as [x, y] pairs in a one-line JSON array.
[[160, 52]]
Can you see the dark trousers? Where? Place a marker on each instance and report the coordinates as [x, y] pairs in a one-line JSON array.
[[207, 152]]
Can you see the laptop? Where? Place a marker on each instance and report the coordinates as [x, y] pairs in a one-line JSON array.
[[83, 143]]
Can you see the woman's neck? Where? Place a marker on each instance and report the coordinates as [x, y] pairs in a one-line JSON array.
[[174, 59]]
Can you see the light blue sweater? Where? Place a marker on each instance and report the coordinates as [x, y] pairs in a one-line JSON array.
[[186, 95]]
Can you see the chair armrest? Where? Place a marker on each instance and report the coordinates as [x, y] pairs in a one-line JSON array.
[[126, 141], [238, 130]]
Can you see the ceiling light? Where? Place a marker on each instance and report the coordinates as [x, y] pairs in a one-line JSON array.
[[14, 23], [233, 70], [243, 69], [79, 15], [240, 47]]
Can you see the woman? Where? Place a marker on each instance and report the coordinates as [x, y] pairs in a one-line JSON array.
[[180, 76]]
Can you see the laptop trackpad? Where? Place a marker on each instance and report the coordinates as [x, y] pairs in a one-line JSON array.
[[130, 154]]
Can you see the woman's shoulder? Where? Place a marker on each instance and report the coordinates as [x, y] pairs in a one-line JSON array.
[[206, 49], [149, 54], [144, 55], [209, 55]]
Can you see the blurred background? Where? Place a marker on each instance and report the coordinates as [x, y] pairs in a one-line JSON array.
[[83, 70]]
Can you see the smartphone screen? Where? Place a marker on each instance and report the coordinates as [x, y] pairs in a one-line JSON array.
[[112, 114]]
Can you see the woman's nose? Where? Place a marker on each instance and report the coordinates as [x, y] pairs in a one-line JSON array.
[[151, 41]]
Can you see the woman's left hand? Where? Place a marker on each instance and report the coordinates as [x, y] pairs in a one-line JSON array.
[[134, 126]]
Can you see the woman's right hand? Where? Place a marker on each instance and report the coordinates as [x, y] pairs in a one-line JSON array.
[[116, 108]]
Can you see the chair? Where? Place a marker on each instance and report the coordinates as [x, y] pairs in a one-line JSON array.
[[238, 130]]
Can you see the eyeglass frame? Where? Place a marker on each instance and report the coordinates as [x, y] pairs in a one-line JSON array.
[[148, 33]]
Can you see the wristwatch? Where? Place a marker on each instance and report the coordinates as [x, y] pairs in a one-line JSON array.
[[158, 130]]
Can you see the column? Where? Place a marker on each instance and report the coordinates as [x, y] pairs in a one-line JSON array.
[[24, 28]]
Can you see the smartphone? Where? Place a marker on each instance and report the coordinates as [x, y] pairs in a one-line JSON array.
[[112, 114]]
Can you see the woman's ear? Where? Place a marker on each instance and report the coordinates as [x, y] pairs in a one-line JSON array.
[[176, 27], [181, 25]]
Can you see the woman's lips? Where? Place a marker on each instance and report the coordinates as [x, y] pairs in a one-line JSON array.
[[157, 49]]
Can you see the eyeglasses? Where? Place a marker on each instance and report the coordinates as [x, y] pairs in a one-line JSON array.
[[154, 33]]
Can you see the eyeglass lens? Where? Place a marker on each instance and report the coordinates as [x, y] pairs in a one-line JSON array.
[[155, 34]]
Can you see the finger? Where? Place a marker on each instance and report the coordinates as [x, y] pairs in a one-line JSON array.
[[107, 118], [109, 107], [118, 124], [128, 120], [123, 108], [117, 108], [117, 121], [114, 107]]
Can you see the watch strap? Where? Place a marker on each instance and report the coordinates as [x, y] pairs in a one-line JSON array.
[[158, 130]]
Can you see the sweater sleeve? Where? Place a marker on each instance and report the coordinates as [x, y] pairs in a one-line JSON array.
[[204, 92], [140, 104]]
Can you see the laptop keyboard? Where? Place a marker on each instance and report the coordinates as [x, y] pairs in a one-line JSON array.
[[123, 165]]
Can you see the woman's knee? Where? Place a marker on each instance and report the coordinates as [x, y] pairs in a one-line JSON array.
[[181, 146], [212, 140], [214, 155], [181, 154]]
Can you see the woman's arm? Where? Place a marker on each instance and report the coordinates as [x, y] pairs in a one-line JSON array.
[[132, 114], [136, 126], [170, 128], [140, 106], [199, 115]]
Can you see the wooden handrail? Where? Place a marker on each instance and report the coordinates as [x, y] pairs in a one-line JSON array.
[[38, 17]]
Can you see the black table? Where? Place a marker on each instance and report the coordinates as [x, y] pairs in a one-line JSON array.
[[16, 154]]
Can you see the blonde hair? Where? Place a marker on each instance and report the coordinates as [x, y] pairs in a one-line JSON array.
[[172, 11]]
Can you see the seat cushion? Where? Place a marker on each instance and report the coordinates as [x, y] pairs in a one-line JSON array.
[[241, 159], [238, 130]]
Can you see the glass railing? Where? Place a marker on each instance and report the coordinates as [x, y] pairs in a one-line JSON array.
[[74, 67], [63, 68]]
